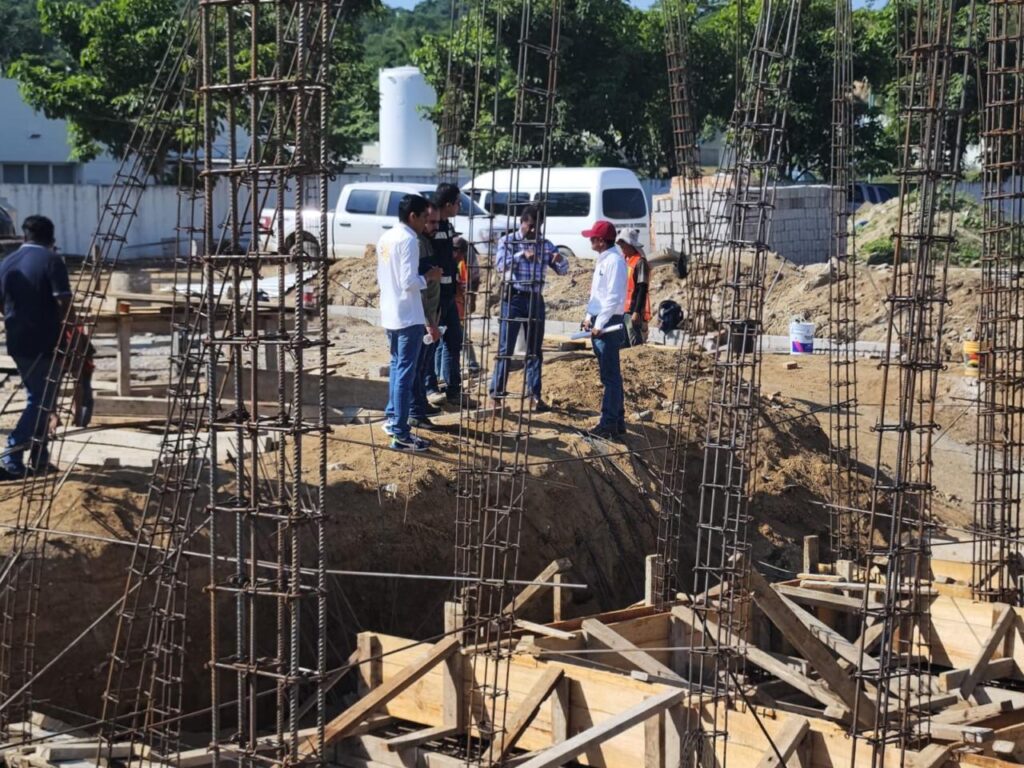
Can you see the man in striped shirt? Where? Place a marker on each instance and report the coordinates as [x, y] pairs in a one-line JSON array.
[[522, 261]]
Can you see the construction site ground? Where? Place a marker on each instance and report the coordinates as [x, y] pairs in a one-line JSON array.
[[588, 500]]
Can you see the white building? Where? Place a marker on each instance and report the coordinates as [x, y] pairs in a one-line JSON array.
[[35, 149]]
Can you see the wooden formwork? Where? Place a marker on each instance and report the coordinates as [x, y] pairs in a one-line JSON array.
[[632, 711]]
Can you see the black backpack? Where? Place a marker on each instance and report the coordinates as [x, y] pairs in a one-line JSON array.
[[670, 315], [682, 266]]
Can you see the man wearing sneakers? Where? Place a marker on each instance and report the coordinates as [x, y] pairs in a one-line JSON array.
[[421, 409], [448, 352], [401, 314], [523, 260], [604, 311]]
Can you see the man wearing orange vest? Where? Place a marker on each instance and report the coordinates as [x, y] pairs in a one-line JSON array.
[[637, 312]]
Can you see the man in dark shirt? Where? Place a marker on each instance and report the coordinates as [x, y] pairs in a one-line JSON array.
[[448, 356], [35, 293]]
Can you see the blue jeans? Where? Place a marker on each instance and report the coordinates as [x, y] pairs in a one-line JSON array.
[[606, 348], [418, 409], [406, 344], [33, 372], [448, 353], [520, 309]]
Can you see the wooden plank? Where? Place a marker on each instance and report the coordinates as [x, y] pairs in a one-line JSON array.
[[812, 649], [560, 709], [976, 714], [384, 693], [811, 558], [996, 668], [533, 591], [124, 354], [1006, 621], [767, 662], [642, 660], [931, 756], [416, 738], [527, 710], [650, 565], [654, 741], [581, 742], [557, 598], [786, 743], [543, 629], [453, 689], [821, 599]]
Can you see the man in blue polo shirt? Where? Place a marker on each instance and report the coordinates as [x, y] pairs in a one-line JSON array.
[[35, 295]]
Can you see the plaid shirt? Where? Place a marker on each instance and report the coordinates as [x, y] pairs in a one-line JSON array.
[[522, 273]]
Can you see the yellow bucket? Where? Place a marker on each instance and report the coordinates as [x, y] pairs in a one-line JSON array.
[[972, 358]]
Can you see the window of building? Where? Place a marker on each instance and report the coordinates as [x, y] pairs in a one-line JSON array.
[[38, 174], [14, 173], [64, 174]]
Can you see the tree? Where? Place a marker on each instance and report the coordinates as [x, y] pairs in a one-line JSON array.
[[19, 31], [105, 55]]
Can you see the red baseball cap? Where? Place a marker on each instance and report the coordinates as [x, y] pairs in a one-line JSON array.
[[603, 229]]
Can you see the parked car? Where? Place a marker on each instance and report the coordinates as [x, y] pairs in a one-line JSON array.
[[576, 198], [365, 210], [870, 193]]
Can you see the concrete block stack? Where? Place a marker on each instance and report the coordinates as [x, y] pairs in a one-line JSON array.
[[801, 225]]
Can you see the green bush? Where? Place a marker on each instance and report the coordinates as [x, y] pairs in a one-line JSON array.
[[878, 251]]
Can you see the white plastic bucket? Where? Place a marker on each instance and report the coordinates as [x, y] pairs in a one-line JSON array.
[[801, 338]]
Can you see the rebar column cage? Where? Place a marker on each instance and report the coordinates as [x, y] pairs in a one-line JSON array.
[[701, 279], [999, 449], [846, 525], [265, 80], [495, 442], [154, 132], [742, 208], [901, 495]]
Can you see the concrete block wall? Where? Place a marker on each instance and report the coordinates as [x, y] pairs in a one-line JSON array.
[[801, 223]]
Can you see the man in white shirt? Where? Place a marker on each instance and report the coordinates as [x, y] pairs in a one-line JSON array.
[[401, 314], [604, 313]]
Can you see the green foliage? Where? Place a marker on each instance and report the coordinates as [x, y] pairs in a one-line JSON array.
[[19, 31], [880, 251]]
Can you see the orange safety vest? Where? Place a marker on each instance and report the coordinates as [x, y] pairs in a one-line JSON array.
[[631, 262]]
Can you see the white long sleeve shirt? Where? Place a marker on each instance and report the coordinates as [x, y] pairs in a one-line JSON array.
[[608, 287], [398, 258]]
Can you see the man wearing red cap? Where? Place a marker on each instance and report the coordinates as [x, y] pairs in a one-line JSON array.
[[604, 313]]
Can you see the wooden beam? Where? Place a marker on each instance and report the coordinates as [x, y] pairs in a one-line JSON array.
[[786, 743], [1006, 621], [812, 649], [543, 629], [975, 714], [766, 661], [533, 591], [650, 566], [932, 756], [996, 668], [821, 599], [416, 738], [639, 658], [527, 710], [811, 550], [560, 754], [382, 694]]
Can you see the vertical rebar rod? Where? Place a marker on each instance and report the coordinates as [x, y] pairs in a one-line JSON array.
[[845, 525], [999, 448]]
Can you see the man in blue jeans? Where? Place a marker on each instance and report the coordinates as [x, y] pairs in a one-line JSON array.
[[401, 314], [604, 313], [36, 295], [448, 352], [523, 260]]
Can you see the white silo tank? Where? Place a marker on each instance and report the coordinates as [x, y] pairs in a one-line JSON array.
[[408, 138]]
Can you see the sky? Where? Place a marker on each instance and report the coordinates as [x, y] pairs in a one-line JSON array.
[[637, 3]]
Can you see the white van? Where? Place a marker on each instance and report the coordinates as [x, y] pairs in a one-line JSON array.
[[577, 197]]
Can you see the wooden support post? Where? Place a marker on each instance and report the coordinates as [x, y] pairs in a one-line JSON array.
[[381, 695], [812, 649], [932, 756], [1006, 621], [559, 754], [533, 591], [650, 563], [811, 554], [527, 710], [654, 741], [560, 708], [675, 725], [124, 350], [639, 658], [786, 742], [452, 688], [371, 665], [557, 597]]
